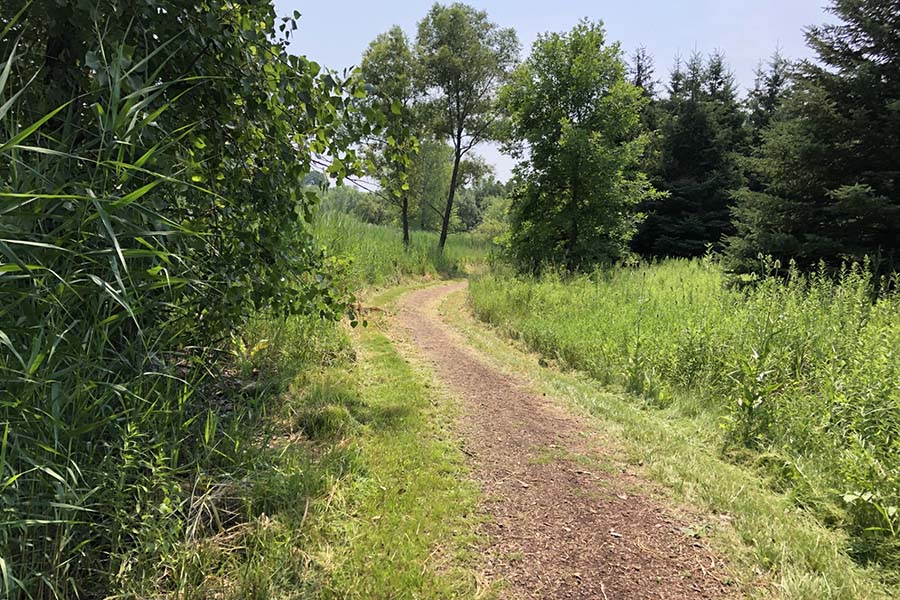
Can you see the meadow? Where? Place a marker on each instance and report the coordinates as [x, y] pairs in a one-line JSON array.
[[378, 258], [796, 378]]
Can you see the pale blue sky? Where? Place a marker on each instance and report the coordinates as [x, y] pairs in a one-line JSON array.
[[336, 33]]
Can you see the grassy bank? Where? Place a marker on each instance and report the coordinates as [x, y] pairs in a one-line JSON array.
[[797, 378]]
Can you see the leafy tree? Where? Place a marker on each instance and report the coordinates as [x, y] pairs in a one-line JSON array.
[[429, 180], [828, 164], [465, 59], [494, 224], [389, 67], [702, 135], [476, 183], [366, 206], [571, 104]]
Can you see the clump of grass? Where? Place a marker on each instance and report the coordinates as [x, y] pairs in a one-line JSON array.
[[802, 374]]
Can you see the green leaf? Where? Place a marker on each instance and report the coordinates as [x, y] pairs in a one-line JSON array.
[[32, 128]]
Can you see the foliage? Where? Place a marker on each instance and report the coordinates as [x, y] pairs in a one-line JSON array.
[[464, 58], [429, 181], [770, 89], [477, 183], [802, 373], [641, 72], [828, 178], [701, 136], [365, 206], [572, 106], [389, 67], [494, 224], [153, 156]]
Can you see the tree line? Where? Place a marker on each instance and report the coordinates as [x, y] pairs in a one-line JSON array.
[[613, 163]]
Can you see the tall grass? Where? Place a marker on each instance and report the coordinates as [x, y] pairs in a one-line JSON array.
[[803, 375], [378, 258]]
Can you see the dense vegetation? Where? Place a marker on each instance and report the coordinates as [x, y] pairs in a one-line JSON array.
[[578, 119], [155, 207], [803, 373], [827, 187]]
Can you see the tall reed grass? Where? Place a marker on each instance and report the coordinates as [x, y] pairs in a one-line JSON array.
[[803, 374]]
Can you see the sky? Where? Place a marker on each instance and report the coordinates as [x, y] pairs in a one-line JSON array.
[[335, 33]]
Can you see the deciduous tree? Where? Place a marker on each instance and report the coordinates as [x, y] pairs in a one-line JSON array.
[[388, 66], [465, 59], [571, 104]]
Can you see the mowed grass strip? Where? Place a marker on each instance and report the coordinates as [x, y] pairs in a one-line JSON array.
[[776, 550], [358, 490], [406, 525]]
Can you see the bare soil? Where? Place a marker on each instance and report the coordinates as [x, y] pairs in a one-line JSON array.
[[561, 523]]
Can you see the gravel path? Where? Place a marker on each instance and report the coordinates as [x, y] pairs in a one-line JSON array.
[[558, 527]]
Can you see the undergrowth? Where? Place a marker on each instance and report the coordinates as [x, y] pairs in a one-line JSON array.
[[346, 487]]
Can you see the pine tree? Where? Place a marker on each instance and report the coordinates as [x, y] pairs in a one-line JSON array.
[[828, 164], [702, 132], [642, 71], [770, 89]]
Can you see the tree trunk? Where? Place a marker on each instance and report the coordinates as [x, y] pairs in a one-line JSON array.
[[573, 241], [445, 226], [404, 208]]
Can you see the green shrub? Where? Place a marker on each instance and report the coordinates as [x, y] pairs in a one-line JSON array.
[[152, 203]]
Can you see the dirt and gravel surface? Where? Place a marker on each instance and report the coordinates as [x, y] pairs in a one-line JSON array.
[[561, 523]]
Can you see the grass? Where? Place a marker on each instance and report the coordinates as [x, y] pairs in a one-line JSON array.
[[410, 519], [686, 354], [349, 486], [377, 257]]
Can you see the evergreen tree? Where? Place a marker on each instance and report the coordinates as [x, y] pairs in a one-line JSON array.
[[642, 75], [828, 164], [702, 134], [770, 89], [642, 70]]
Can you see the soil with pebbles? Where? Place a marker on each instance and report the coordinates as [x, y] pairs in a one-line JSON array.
[[560, 524]]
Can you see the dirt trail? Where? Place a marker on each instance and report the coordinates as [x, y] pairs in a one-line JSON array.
[[557, 527]]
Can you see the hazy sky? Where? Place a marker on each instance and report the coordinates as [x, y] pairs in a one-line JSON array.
[[335, 33]]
